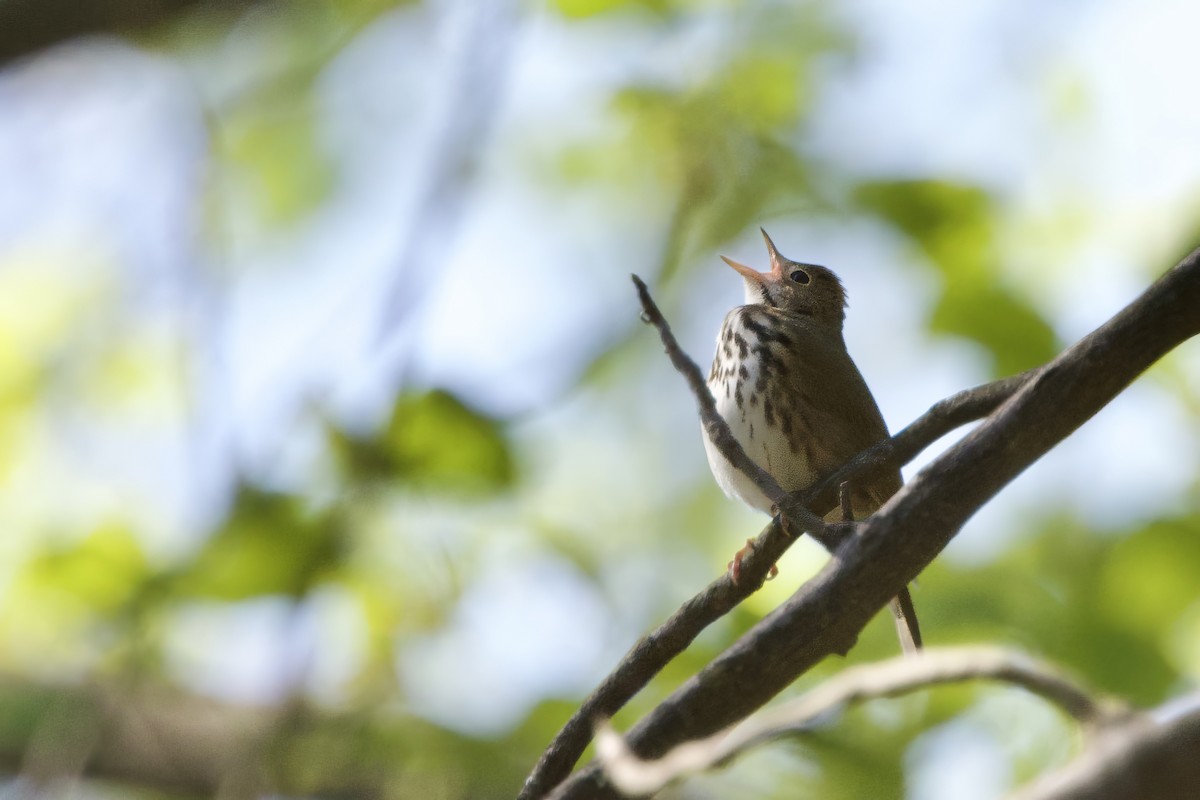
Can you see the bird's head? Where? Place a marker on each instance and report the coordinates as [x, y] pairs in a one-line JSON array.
[[803, 289]]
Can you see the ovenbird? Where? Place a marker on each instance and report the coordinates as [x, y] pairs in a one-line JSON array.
[[793, 397]]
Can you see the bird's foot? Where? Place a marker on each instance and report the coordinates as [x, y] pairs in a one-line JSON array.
[[735, 566], [784, 525]]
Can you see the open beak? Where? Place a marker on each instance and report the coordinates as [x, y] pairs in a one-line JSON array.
[[754, 275], [777, 260], [749, 273]]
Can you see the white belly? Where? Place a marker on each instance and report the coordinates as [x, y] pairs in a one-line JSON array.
[[741, 401]]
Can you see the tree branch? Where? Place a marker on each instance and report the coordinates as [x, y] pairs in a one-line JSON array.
[[944, 416], [128, 730], [655, 651], [714, 425], [914, 526], [27, 27], [890, 678], [1136, 758], [159, 739]]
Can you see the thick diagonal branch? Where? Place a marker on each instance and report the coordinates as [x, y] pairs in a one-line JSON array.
[[655, 651], [909, 531]]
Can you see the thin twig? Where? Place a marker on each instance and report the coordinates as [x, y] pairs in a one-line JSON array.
[[714, 424], [891, 678]]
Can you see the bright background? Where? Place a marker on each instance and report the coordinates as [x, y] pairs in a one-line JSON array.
[[322, 379]]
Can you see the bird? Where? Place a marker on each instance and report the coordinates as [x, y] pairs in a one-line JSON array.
[[793, 397]]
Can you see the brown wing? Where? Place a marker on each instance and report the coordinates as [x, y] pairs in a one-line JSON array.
[[841, 412], [834, 403]]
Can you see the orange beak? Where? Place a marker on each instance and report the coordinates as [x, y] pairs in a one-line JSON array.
[[751, 274]]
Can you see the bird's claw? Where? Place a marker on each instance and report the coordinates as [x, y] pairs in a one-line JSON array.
[[735, 566]]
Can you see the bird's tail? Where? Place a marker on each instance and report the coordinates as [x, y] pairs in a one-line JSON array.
[[906, 621]]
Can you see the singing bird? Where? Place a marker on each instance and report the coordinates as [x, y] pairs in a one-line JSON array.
[[794, 399]]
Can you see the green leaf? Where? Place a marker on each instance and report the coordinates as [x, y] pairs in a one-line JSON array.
[[102, 572], [433, 442], [762, 92], [951, 222], [276, 158], [270, 544], [953, 225], [580, 9], [1162, 561], [1012, 331]]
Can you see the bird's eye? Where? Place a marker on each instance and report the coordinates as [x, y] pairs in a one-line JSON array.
[[800, 276]]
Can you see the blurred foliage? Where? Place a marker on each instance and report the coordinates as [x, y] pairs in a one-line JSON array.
[[587, 8], [412, 449], [100, 573], [723, 145], [954, 227], [271, 146], [270, 544], [372, 539]]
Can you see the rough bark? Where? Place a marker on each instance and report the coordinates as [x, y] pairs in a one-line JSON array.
[[888, 550]]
